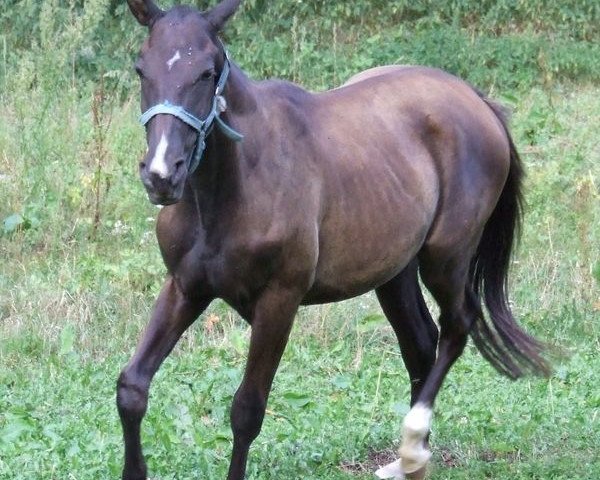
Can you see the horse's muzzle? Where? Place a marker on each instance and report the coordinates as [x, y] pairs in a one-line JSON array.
[[156, 199], [164, 190]]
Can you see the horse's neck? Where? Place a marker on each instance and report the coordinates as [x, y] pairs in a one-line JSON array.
[[218, 180], [240, 93]]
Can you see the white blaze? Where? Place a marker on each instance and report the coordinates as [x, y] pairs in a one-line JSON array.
[[158, 164], [173, 59]]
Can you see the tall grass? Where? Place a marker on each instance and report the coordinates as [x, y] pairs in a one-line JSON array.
[[505, 43]]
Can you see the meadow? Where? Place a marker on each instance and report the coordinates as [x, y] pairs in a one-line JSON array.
[[80, 268]]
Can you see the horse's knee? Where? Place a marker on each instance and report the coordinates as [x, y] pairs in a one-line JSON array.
[[247, 413], [132, 396]]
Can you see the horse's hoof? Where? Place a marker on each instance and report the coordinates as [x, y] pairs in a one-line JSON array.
[[418, 475]]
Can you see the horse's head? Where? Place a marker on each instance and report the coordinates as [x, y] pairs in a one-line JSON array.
[[180, 65]]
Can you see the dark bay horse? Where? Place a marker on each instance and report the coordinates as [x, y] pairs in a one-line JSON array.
[[404, 171]]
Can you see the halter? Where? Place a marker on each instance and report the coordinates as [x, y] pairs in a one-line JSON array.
[[203, 127]]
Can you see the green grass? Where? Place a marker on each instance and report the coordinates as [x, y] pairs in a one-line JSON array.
[[79, 266], [338, 397], [72, 306]]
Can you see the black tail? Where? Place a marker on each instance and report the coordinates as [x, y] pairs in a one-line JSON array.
[[500, 339]]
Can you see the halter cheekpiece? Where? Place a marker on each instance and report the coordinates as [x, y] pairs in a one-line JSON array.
[[203, 127]]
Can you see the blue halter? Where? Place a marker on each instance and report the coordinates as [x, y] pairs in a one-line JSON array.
[[203, 127]]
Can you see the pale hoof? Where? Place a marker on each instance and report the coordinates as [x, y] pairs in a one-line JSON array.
[[392, 470], [415, 459], [418, 475], [395, 471]]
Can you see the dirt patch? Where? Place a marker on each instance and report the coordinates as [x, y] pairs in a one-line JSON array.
[[450, 459], [378, 458], [491, 456], [375, 459]]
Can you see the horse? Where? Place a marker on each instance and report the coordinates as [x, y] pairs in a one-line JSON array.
[[275, 197]]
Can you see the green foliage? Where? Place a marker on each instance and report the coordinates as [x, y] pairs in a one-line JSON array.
[[506, 43]]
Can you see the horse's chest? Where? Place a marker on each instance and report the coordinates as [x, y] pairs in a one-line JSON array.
[[235, 271]]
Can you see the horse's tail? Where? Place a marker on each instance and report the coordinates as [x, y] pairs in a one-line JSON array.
[[500, 339]]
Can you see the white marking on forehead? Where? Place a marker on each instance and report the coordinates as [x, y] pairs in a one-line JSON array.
[[158, 164], [173, 59]]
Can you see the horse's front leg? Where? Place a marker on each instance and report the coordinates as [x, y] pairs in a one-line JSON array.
[[271, 321], [173, 314]]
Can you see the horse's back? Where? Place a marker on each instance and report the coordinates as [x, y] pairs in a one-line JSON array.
[[374, 72]]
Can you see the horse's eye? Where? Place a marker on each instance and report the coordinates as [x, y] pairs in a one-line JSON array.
[[138, 70], [207, 75]]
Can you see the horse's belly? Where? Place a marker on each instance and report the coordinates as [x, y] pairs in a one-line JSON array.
[[364, 245], [357, 272], [328, 289]]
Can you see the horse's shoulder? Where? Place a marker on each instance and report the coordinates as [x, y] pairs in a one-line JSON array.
[[286, 105], [283, 91]]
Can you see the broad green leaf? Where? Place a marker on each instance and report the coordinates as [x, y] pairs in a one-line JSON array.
[[342, 381], [596, 272], [371, 322], [67, 339], [297, 399], [11, 432], [400, 408], [13, 222]]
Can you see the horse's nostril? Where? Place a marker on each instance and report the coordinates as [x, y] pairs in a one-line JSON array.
[[142, 165], [179, 164]]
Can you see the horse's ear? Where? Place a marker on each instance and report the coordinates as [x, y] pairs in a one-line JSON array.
[[144, 10], [220, 13]]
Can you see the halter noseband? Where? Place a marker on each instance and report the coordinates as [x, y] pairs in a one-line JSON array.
[[203, 127]]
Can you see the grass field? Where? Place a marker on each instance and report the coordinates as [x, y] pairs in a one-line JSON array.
[[79, 268]]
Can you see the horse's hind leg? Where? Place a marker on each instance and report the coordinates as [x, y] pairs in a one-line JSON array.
[[404, 306], [446, 278]]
